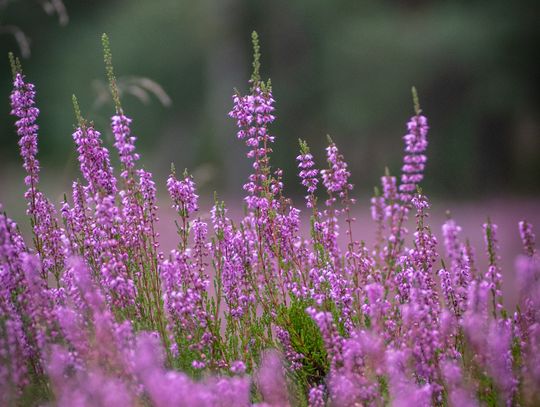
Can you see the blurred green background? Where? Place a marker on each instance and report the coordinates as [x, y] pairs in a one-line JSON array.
[[339, 67]]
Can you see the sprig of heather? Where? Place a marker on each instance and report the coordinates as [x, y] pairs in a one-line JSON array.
[[458, 277], [415, 146], [75, 218], [136, 195], [336, 177], [94, 161], [390, 208], [125, 144], [421, 307], [114, 271], [184, 298], [253, 114], [23, 107], [182, 193], [47, 233], [185, 201], [231, 253], [527, 237], [412, 174], [291, 355], [493, 275], [386, 211], [308, 174], [336, 181], [18, 351]]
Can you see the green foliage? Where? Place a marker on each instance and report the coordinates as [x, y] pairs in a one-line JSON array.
[[15, 64], [304, 147], [109, 69], [306, 339], [186, 356], [36, 393], [416, 101], [384, 389], [486, 390], [77, 110], [256, 76]]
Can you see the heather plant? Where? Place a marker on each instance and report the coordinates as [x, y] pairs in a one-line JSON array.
[[249, 311]]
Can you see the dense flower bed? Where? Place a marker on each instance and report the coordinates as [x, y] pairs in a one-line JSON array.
[[249, 311]]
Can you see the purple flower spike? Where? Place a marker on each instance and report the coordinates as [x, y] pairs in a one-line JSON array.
[[336, 177], [23, 107], [94, 161], [182, 193], [414, 160], [124, 143], [307, 174]]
